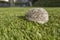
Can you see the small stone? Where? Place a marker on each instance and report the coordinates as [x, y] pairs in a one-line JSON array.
[[39, 15]]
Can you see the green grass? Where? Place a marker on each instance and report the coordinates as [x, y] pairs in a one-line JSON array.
[[13, 25]]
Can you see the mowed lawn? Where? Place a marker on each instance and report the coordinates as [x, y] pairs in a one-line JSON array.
[[14, 26]]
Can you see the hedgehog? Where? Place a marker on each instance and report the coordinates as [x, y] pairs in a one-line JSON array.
[[39, 15]]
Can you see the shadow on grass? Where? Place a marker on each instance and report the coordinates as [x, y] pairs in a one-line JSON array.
[[23, 18]]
